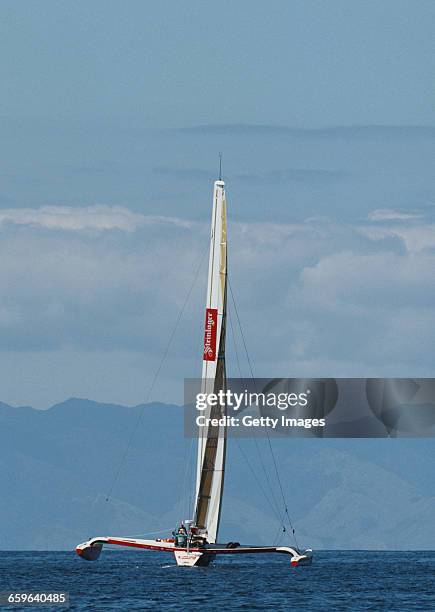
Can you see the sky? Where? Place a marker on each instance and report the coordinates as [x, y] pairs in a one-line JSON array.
[[112, 116]]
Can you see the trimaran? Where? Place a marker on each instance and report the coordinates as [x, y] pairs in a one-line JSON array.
[[196, 544]]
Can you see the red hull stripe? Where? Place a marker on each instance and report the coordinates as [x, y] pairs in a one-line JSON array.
[[145, 546], [210, 551]]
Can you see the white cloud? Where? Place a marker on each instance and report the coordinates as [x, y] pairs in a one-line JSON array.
[[389, 214], [416, 237], [372, 309], [383, 279], [97, 217]]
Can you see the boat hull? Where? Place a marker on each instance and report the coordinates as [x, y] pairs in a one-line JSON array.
[[185, 558], [192, 557], [89, 553]]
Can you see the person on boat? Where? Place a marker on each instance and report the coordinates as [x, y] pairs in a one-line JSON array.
[[181, 536]]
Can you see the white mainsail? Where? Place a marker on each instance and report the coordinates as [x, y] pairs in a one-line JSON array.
[[212, 440]]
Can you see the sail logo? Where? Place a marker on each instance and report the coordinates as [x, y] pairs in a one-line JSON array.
[[210, 332]]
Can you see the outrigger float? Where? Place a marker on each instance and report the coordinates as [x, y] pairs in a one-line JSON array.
[[195, 543]]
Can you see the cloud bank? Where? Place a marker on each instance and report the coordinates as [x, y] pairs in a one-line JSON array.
[[331, 245], [317, 296]]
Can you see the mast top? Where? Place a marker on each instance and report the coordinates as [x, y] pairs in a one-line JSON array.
[[220, 182]]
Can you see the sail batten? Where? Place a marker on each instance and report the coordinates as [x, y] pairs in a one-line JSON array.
[[212, 440]]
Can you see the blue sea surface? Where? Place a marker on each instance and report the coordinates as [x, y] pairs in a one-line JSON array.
[[128, 580]]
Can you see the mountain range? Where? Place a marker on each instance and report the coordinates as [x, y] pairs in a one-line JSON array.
[[82, 468]]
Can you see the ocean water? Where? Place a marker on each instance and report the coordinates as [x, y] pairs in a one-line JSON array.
[[127, 580]]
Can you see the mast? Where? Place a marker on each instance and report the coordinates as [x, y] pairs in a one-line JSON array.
[[212, 440]]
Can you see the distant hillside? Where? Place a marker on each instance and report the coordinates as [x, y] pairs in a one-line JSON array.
[[57, 465]]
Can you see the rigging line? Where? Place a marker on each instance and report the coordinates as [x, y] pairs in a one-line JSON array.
[[272, 492], [192, 484], [233, 336], [137, 535], [192, 480], [188, 488], [276, 507], [182, 496], [282, 495], [267, 433], [156, 375], [278, 537], [187, 485], [260, 485], [268, 480]]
